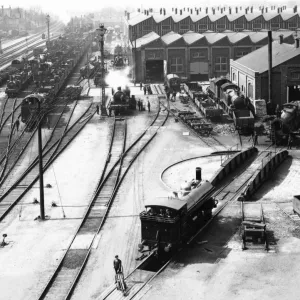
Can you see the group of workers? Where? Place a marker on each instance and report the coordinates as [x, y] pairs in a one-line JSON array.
[[146, 88], [165, 213]]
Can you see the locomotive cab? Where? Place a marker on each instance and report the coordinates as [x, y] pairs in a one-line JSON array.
[[161, 223]]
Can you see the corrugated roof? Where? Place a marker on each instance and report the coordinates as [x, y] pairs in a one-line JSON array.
[[146, 39], [252, 16], [235, 37], [257, 36], [159, 18], [287, 15], [170, 37], [231, 17], [177, 18], [196, 17], [138, 19], [216, 17], [258, 60], [191, 37], [214, 37]]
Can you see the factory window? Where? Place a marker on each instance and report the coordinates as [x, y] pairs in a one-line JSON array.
[[166, 27], [256, 26], [184, 27], [275, 26], [241, 53], [221, 64], [233, 77], [238, 26], [220, 26], [292, 25], [147, 28], [176, 65], [250, 90], [295, 76], [202, 27], [198, 54]]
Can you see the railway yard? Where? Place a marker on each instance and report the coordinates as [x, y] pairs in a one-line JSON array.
[[193, 206]]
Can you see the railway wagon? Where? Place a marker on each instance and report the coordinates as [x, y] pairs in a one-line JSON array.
[[243, 121], [167, 223], [172, 81]]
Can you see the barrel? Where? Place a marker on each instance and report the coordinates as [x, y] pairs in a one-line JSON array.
[[198, 173]]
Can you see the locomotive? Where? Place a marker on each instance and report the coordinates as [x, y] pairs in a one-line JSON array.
[[122, 101], [172, 81], [167, 223], [288, 123], [228, 95], [30, 106]]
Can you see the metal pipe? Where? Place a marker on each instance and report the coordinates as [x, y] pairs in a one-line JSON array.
[[41, 178], [270, 66]]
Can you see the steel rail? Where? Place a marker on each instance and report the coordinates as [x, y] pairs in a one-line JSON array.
[[172, 258], [87, 213], [117, 167], [23, 189]]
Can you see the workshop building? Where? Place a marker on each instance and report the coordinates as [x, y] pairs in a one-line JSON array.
[[250, 73], [195, 56]]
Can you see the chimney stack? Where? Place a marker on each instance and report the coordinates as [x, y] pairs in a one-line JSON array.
[[181, 12], [197, 12], [296, 42], [236, 10], [128, 16], [295, 8], [199, 9], [251, 9], [206, 10], [164, 11], [214, 11], [262, 10], [230, 10], [280, 38], [266, 9], [139, 10], [184, 9], [160, 11], [176, 11], [172, 8]]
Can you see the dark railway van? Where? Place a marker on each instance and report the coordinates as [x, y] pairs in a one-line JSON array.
[[168, 222]]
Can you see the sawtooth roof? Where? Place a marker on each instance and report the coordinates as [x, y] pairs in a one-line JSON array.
[[258, 60], [136, 18], [191, 37]]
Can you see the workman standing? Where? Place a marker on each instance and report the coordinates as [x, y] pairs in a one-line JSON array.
[[139, 104], [255, 137], [148, 106], [97, 109], [145, 90], [117, 264], [17, 124], [141, 85], [290, 141], [278, 111]]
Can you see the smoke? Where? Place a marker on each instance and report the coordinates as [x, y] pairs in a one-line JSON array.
[[116, 78]]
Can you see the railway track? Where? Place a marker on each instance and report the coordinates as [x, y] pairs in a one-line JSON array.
[[210, 141], [138, 280], [55, 145], [63, 282]]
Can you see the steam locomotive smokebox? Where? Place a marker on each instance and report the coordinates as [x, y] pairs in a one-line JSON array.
[[198, 174]]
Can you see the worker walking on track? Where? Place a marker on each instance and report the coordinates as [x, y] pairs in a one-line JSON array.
[[117, 264], [17, 124]]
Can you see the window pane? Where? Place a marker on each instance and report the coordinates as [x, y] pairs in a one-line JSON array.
[[224, 67], [180, 68], [224, 60], [173, 69]]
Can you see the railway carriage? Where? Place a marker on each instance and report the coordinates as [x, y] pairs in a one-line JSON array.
[[168, 222]]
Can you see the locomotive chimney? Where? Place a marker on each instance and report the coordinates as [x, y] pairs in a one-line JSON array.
[[296, 42], [198, 174], [280, 38], [270, 65]]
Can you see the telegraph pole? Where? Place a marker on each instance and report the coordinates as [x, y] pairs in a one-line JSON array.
[[48, 24], [41, 178], [101, 31]]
